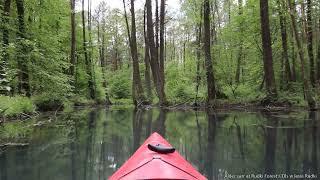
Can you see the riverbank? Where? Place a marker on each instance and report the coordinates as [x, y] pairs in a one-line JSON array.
[[17, 107], [16, 131]]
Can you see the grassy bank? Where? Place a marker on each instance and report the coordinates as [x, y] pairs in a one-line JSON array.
[[18, 107], [13, 107]]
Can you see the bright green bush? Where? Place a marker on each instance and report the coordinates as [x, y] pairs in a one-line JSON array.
[[180, 84], [13, 106], [120, 84], [242, 92]]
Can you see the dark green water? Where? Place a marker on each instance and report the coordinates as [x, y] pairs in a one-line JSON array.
[[92, 144]]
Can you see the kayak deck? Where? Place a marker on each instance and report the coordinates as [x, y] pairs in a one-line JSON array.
[[148, 164]]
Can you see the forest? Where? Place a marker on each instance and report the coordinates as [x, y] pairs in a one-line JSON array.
[[210, 53]]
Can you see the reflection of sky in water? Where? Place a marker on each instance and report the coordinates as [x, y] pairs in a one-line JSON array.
[[92, 145]]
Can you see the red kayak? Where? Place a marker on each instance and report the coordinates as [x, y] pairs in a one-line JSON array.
[[156, 159]]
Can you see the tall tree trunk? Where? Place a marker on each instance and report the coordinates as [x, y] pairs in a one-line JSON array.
[[138, 93], [240, 44], [157, 25], [87, 60], [24, 87], [153, 55], [103, 63], [211, 90], [310, 43], [5, 43], [318, 67], [293, 53], [73, 39], [267, 51], [92, 71], [303, 19], [161, 60], [284, 38], [126, 19], [306, 86], [147, 73], [198, 54]]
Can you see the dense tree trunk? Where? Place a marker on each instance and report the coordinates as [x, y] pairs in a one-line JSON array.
[[240, 54], [161, 60], [267, 51], [147, 74], [310, 43], [306, 86], [211, 89], [153, 55], [73, 39], [138, 94], [5, 43], [286, 74], [24, 87], [86, 58]]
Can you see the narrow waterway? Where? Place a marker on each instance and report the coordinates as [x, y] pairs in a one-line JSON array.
[[90, 144]]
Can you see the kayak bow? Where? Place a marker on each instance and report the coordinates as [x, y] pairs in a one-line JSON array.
[[156, 159]]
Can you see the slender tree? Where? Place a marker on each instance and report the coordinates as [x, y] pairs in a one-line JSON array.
[[293, 56], [5, 43], [161, 59], [87, 60], [318, 67], [138, 90], [157, 25], [24, 86], [310, 43], [198, 55], [153, 56], [286, 74], [267, 51], [73, 39], [102, 47], [240, 54], [306, 86], [126, 19], [211, 89], [147, 73]]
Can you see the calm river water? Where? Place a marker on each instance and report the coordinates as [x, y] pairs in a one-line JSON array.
[[90, 144]]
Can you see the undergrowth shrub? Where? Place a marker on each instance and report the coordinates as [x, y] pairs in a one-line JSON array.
[[120, 84], [13, 106]]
